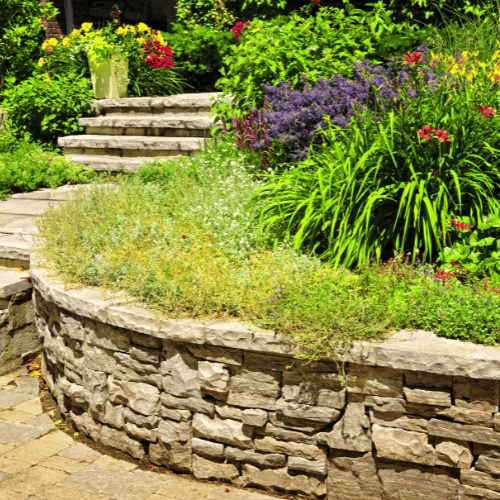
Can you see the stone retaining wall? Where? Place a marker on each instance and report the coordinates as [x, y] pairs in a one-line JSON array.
[[418, 418]]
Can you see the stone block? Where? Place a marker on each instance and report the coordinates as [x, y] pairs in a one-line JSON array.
[[301, 411], [251, 400], [453, 430], [224, 431], [113, 415], [496, 422], [353, 478], [106, 336], [95, 384], [208, 448], [452, 453], [375, 381], [486, 450], [488, 465], [351, 432], [405, 422], [249, 380], [309, 466], [478, 479], [84, 423], [146, 340], [214, 377], [118, 439], [280, 480], [476, 394], [263, 459], [150, 421], [295, 424], [175, 455], [128, 362], [130, 375], [145, 354], [254, 417], [142, 433], [196, 405], [317, 389], [142, 398], [428, 396], [209, 469], [169, 431], [403, 446], [98, 359], [75, 392], [411, 482], [283, 434], [288, 364], [218, 354], [180, 372], [177, 415], [425, 379], [226, 411], [470, 493], [271, 445], [20, 309], [466, 416]]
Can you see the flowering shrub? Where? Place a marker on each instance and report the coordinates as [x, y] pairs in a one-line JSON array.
[[381, 188], [158, 54], [476, 250], [238, 28]]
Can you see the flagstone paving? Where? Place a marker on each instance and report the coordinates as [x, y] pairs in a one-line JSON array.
[[40, 462]]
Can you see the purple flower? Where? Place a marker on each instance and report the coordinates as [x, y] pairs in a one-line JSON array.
[[425, 292], [418, 261], [460, 299], [426, 272], [440, 293], [441, 315]]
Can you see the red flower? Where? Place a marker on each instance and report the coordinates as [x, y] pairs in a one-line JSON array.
[[425, 132], [413, 58], [442, 136], [486, 112], [111, 15], [441, 274], [460, 225]]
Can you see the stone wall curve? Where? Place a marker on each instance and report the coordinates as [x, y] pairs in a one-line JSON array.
[[418, 417]]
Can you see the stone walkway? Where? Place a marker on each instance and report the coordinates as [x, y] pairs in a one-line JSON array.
[[40, 462]]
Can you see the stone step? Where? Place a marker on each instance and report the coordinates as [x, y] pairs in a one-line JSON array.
[[166, 125], [129, 145], [109, 163], [184, 103]]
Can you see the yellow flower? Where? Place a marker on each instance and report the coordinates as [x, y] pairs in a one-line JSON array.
[[140, 40], [130, 28], [65, 42], [45, 45], [143, 27], [53, 42], [121, 31], [86, 26], [76, 32], [41, 62], [47, 78]]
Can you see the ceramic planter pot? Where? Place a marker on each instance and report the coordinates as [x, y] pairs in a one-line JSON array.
[[109, 78]]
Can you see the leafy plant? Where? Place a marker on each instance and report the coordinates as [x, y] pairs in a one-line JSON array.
[[478, 250], [198, 52], [26, 166], [287, 47], [191, 13], [21, 34], [47, 108], [391, 182]]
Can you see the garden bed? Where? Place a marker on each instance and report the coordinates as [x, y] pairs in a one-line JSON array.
[[228, 402]]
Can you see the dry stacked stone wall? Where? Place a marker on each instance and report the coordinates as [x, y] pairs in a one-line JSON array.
[[271, 421]]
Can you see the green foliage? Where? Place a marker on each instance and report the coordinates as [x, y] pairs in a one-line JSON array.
[[47, 108], [147, 81], [379, 187], [27, 166], [478, 250], [21, 35], [198, 53], [289, 46], [214, 13]]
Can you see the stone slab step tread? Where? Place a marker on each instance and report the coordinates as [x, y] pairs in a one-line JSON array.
[[110, 163], [155, 143], [13, 282], [174, 121]]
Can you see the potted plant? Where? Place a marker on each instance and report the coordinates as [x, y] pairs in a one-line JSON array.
[[107, 51]]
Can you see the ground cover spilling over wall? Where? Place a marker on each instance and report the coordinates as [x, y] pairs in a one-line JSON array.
[[418, 417]]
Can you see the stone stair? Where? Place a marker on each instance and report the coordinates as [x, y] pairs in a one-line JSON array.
[[127, 132]]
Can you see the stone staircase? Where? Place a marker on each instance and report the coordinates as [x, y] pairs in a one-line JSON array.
[[127, 132]]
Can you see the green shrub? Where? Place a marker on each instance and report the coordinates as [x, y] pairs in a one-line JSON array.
[[28, 166], [286, 47], [47, 108], [147, 81], [198, 53], [392, 182], [21, 36]]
